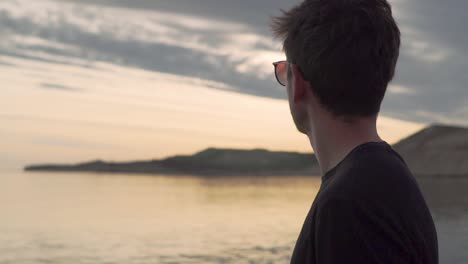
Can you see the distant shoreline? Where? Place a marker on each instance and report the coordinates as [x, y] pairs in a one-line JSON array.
[[228, 175], [181, 174], [435, 151]]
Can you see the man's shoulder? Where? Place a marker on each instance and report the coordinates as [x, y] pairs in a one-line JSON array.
[[371, 173], [374, 164]]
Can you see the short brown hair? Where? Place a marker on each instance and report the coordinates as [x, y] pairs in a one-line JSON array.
[[346, 49]]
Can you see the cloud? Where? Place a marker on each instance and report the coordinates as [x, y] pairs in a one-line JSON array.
[[398, 89], [255, 14], [225, 52], [229, 42], [454, 119], [55, 86]]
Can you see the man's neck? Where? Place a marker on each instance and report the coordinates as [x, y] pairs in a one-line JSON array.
[[332, 141]]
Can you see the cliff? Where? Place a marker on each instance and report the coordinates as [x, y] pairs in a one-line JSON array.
[[436, 150]]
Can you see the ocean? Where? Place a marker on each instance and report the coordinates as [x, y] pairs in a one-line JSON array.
[[102, 218]]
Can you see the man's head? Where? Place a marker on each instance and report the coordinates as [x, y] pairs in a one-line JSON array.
[[341, 55]]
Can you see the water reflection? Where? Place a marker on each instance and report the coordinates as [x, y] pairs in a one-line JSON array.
[[88, 218]]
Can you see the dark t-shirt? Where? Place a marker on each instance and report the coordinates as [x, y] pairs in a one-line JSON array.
[[369, 209]]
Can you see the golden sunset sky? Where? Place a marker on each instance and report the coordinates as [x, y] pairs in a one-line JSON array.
[[135, 80], [117, 113]]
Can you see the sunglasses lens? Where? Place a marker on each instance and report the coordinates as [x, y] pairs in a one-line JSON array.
[[281, 73]]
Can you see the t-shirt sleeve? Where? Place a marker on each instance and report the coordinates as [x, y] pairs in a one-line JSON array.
[[344, 235]]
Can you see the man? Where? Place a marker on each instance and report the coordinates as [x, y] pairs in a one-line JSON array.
[[341, 55]]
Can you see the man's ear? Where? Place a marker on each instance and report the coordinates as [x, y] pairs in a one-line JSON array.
[[300, 85]]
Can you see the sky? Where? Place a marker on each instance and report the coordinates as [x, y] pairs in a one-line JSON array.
[[141, 79]]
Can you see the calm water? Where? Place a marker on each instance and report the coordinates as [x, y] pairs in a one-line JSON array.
[[87, 218]]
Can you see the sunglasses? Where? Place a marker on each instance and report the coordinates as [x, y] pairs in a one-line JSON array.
[[281, 72]]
